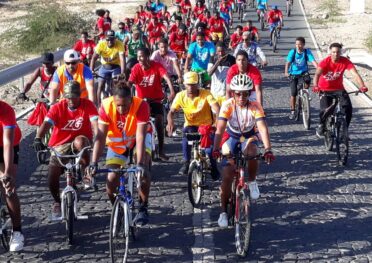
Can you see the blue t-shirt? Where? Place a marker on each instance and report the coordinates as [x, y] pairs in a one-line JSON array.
[[201, 55], [157, 8], [121, 35], [299, 64], [87, 73], [261, 4]]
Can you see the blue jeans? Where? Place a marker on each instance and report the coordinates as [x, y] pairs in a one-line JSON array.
[[107, 72]]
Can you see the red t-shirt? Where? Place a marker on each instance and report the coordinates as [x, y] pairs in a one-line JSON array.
[[84, 49], [206, 33], [235, 39], [104, 24], [8, 121], [274, 16], [185, 6], [67, 124], [252, 72], [252, 29], [166, 16], [198, 11], [203, 19], [155, 30], [173, 29], [332, 75], [143, 116], [216, 25], [178, 42], [148, 82]]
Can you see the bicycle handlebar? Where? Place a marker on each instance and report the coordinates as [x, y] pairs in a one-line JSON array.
[[41, 156]]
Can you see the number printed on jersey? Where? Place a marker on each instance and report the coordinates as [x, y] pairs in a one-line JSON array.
[[74, 125], [147, 80], [332, 75]]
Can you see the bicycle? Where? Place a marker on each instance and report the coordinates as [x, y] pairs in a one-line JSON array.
[[261, 19], [121, 221], [199, 168], [274, 38], [302, 107], [5, 221], [289, 6], [109, 84], [69, 196], [239, 205], [336, 130], [242, 6]]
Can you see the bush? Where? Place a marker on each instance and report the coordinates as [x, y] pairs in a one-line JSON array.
[[50, 27], [368, 41], [330, 6]]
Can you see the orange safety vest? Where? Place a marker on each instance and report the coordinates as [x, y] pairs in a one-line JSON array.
[[120, 141], [78, 76]]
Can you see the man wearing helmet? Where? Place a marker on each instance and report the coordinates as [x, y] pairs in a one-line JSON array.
[[73, 69], [275, 19], [236, 125], [197, 105], [112, 56], [243, 67], [73, 119]]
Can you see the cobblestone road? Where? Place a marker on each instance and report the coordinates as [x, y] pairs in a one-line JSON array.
[[310, 210]]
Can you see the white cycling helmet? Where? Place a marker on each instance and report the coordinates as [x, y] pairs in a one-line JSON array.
[[241, 82]]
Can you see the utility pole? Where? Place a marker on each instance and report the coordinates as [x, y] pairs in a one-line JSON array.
[[357, 6]]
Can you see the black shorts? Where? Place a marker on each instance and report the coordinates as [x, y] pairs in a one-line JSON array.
[[156, 108], [16, 154], [295, 80]]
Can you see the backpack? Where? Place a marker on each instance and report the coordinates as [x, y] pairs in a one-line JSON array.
[[294, 55]]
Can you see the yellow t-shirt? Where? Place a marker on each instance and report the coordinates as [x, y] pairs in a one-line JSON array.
[[110, 55], [197, 111]]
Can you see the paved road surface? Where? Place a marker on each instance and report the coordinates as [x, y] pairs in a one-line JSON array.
[[310, 210]]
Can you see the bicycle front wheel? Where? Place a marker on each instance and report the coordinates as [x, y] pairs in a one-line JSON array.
[[298, 108], [342, 141], [70, 216], [5, 224], [119, 232], [242, 223], [262, 23], [275, 40], [305, 106], [194, 185], [328, 135]]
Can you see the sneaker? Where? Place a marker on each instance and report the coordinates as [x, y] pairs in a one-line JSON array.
[[185, 168], [254, 191], [17, 241], [142, 218], [320, 131], [292, 115], [223, 221], [56, 210]]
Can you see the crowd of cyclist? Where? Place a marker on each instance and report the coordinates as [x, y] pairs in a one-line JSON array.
[[151, 52]]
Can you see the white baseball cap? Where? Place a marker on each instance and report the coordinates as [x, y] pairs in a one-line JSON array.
[[70, 56]]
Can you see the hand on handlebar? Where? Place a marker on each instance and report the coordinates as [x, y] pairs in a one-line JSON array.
[[363, 89], [92, 169], [269, 156], [216, 154], [38, 145], [316, 89]]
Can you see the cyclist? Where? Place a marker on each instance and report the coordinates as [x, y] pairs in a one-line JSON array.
[[168, 59], [236, 124], [204, 18], [198, 9], [174, 28], [218, 71], [242, 66], [236, 37], [122, 124], [201, 28], [226, 12], [72, 70], [72, 119], [113, 61], [200, 52], [252, 49], [179, 42], [217, 27], [85, 47], [102, 24], [147, 76], [197, 105], [328, 78], [253, 30], [156, 31], [157, 6], [45, 72], [261, 7], [275, 20], [296, 66], [10, 135], [133, 42], [122, 32]]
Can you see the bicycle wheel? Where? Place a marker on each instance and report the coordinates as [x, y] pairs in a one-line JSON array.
[[241, 13], [242, 223], [274, 39], [305, 106], [119, 232], [262, 23], [298, 108], [328, 136], [288, 9], [5, 224], [194, 185], [70, 216], [342, 141], [231, 205]]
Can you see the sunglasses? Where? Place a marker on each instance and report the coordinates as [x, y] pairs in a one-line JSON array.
[[242, 94], [71, 63], [110, 39]]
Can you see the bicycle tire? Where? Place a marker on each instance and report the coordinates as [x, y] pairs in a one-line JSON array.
[[342, 141], [231, 205], [5, 219], [119, 233], [328, 135], [262, 23], [242, 223], [70, 216], [274, 40], [305, 106], [288, 10], [194, 185], [297, 108], [241, 14]]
